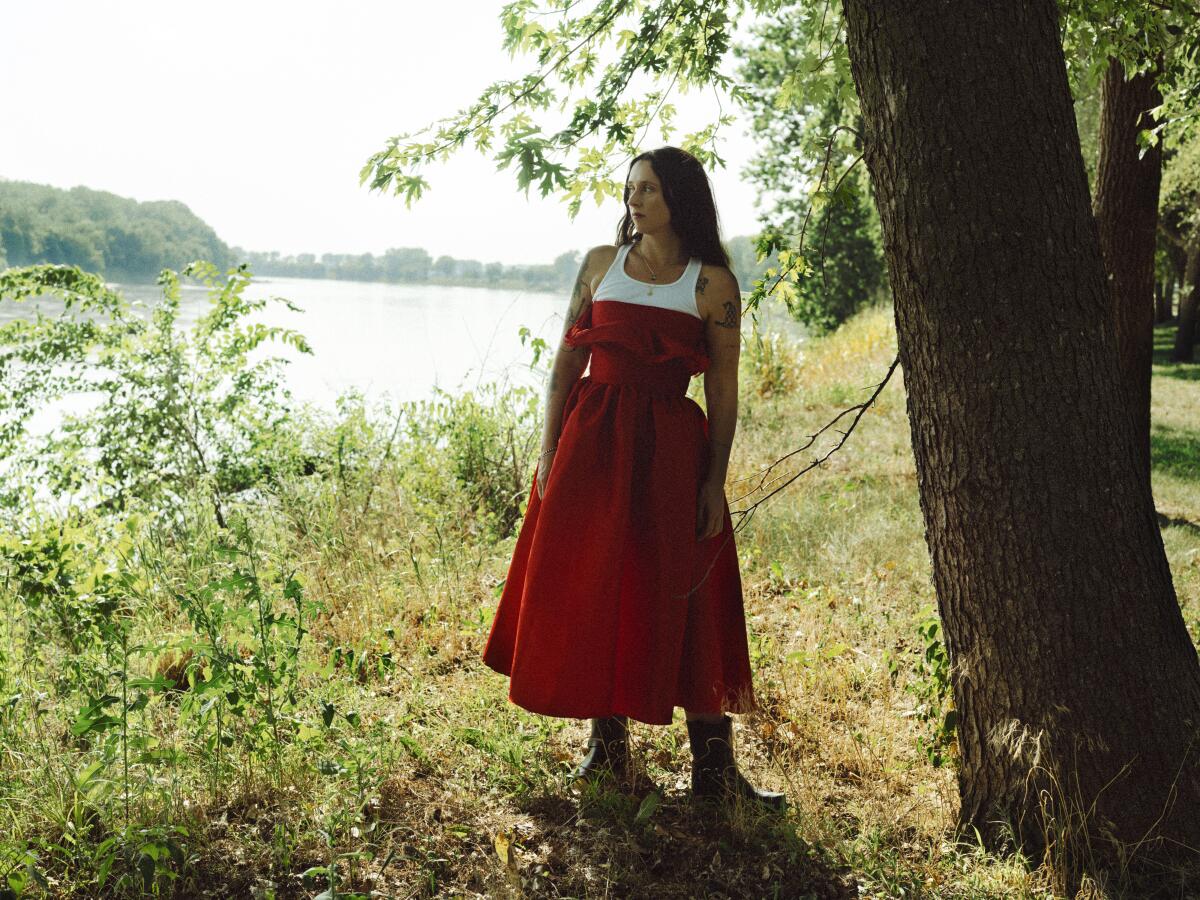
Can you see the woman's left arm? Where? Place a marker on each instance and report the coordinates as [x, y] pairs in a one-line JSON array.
[[719, 300]]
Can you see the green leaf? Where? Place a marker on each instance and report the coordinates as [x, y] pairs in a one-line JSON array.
[[330, 767], [834, 651], [314, 872], [146, 867], [647, 807]]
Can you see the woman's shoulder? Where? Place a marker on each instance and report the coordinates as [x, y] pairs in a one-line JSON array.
[[718, 294], [602, 254], [718, 282], [597, 261]]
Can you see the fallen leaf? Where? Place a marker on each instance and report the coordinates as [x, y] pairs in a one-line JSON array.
[[501, 842]]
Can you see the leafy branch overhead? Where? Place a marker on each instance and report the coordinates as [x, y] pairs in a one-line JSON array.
[[1136, 32], [683, 42], [679, 44]]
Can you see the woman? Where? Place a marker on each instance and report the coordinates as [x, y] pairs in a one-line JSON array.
[[623, 598]]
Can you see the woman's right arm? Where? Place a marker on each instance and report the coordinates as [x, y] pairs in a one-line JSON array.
[[569, 363]]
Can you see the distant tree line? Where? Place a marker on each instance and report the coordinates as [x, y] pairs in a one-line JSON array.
[[125, 240], [414, 265], [101, 232]]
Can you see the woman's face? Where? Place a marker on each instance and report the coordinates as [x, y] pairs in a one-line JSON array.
[[644, 199]]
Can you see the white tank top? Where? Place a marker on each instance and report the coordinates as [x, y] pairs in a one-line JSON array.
[[678, 295]]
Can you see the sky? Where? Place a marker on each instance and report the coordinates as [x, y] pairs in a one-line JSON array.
[[260, 115]]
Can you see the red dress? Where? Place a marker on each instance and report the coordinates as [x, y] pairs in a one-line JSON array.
[[611, 605]]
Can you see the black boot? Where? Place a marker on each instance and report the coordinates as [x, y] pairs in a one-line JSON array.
[[714, 773], [608, 751]]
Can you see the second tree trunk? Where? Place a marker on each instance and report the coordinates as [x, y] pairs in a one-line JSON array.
[[1126, 208]]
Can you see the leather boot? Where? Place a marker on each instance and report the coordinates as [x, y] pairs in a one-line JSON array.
[[608, 750], [714, 773]]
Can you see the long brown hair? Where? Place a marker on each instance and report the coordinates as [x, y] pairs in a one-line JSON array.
[[689, 197]]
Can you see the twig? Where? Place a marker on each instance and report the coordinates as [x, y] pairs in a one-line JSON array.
[[461, 135], [649, 45], [745, 515], [386, 456], [858, 410], [799, 258]]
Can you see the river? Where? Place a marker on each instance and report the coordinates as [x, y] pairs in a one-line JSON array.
[[394, 341]]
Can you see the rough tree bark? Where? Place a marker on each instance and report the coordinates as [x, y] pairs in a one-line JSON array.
[[1189, 300], [1073, 671], [1126, 208]]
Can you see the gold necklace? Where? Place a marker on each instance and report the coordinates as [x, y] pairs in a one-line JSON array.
[[646, 263]]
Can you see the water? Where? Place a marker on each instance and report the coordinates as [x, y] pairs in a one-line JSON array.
[[397, 340]]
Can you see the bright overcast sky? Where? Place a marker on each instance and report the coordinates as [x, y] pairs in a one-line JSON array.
[[259, 116]]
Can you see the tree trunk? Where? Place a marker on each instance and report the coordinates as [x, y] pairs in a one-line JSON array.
[[1075, 679], [1162, 302], [1189, 300], [1126, 208]]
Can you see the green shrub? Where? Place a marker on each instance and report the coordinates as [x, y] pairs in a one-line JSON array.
[[772, 363], [486, 439], [176, 408]]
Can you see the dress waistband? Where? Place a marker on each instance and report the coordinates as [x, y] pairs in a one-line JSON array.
[[666, 379]]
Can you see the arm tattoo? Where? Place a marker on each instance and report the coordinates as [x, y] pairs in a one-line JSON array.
[[575, 307], [731, 315], [702, 283]]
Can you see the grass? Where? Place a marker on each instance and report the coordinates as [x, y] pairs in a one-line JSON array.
[[426, 781]]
